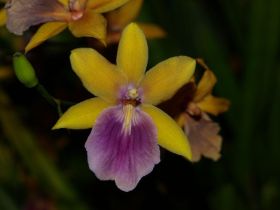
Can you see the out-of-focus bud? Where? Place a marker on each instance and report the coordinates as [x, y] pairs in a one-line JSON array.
[[24, 70]]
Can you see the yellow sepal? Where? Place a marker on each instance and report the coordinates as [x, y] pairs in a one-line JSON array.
[[170, 135], [98, 75], [213, 105], [101, 6], [64, 2], [82, 115], [205, 85], [90, 25], [152, 31], [132, 54], [46, 31], [163, 80], [121, 17]]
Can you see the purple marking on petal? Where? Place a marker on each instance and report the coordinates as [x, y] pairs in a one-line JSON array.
[[125, 157], [21, 14]]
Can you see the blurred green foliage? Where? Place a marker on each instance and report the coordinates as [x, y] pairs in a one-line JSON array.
[[238, 39]]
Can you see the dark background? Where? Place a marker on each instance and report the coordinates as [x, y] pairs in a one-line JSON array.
[[238, 39]]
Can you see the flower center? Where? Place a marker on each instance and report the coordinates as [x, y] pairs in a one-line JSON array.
[[129, 117], [193, 110], [131, 96], [133, 93]]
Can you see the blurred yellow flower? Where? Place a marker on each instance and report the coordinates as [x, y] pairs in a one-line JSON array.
[[83, 18], [118, 19]]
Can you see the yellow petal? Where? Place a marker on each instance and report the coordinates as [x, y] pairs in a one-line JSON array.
[[118, 19], [152, 31], [98, 75], [101, 6], [163, 80], [170, 135], [214, 105], [132, 54], [3, 17], [82, 115], [46, 31], [90, 25], [205, 85], [64, 2]]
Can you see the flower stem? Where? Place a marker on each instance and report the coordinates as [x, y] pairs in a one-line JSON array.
[[57, 103]]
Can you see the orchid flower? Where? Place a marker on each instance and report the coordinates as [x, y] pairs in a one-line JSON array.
[[82, 17], [126, 126], [198, 126], [118, 19]]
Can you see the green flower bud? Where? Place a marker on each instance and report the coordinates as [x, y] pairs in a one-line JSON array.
[[24, 70]]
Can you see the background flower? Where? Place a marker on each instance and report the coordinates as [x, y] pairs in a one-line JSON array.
[[201, 130], [121, 17], [82, 17]]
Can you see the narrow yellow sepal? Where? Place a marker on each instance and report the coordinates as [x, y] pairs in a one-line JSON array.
[[214, 105], [82, 115], [46, 31], [64, 2], [3, 17], [170, 135], [132, 54], [205, 85], [164, 79], [101, 6], [152, 31]]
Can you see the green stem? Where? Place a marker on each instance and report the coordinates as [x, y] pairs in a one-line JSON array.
[[46, 95], [57, 103]]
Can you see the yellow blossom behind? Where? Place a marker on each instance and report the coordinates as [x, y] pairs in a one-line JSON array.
[[121, 17]]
